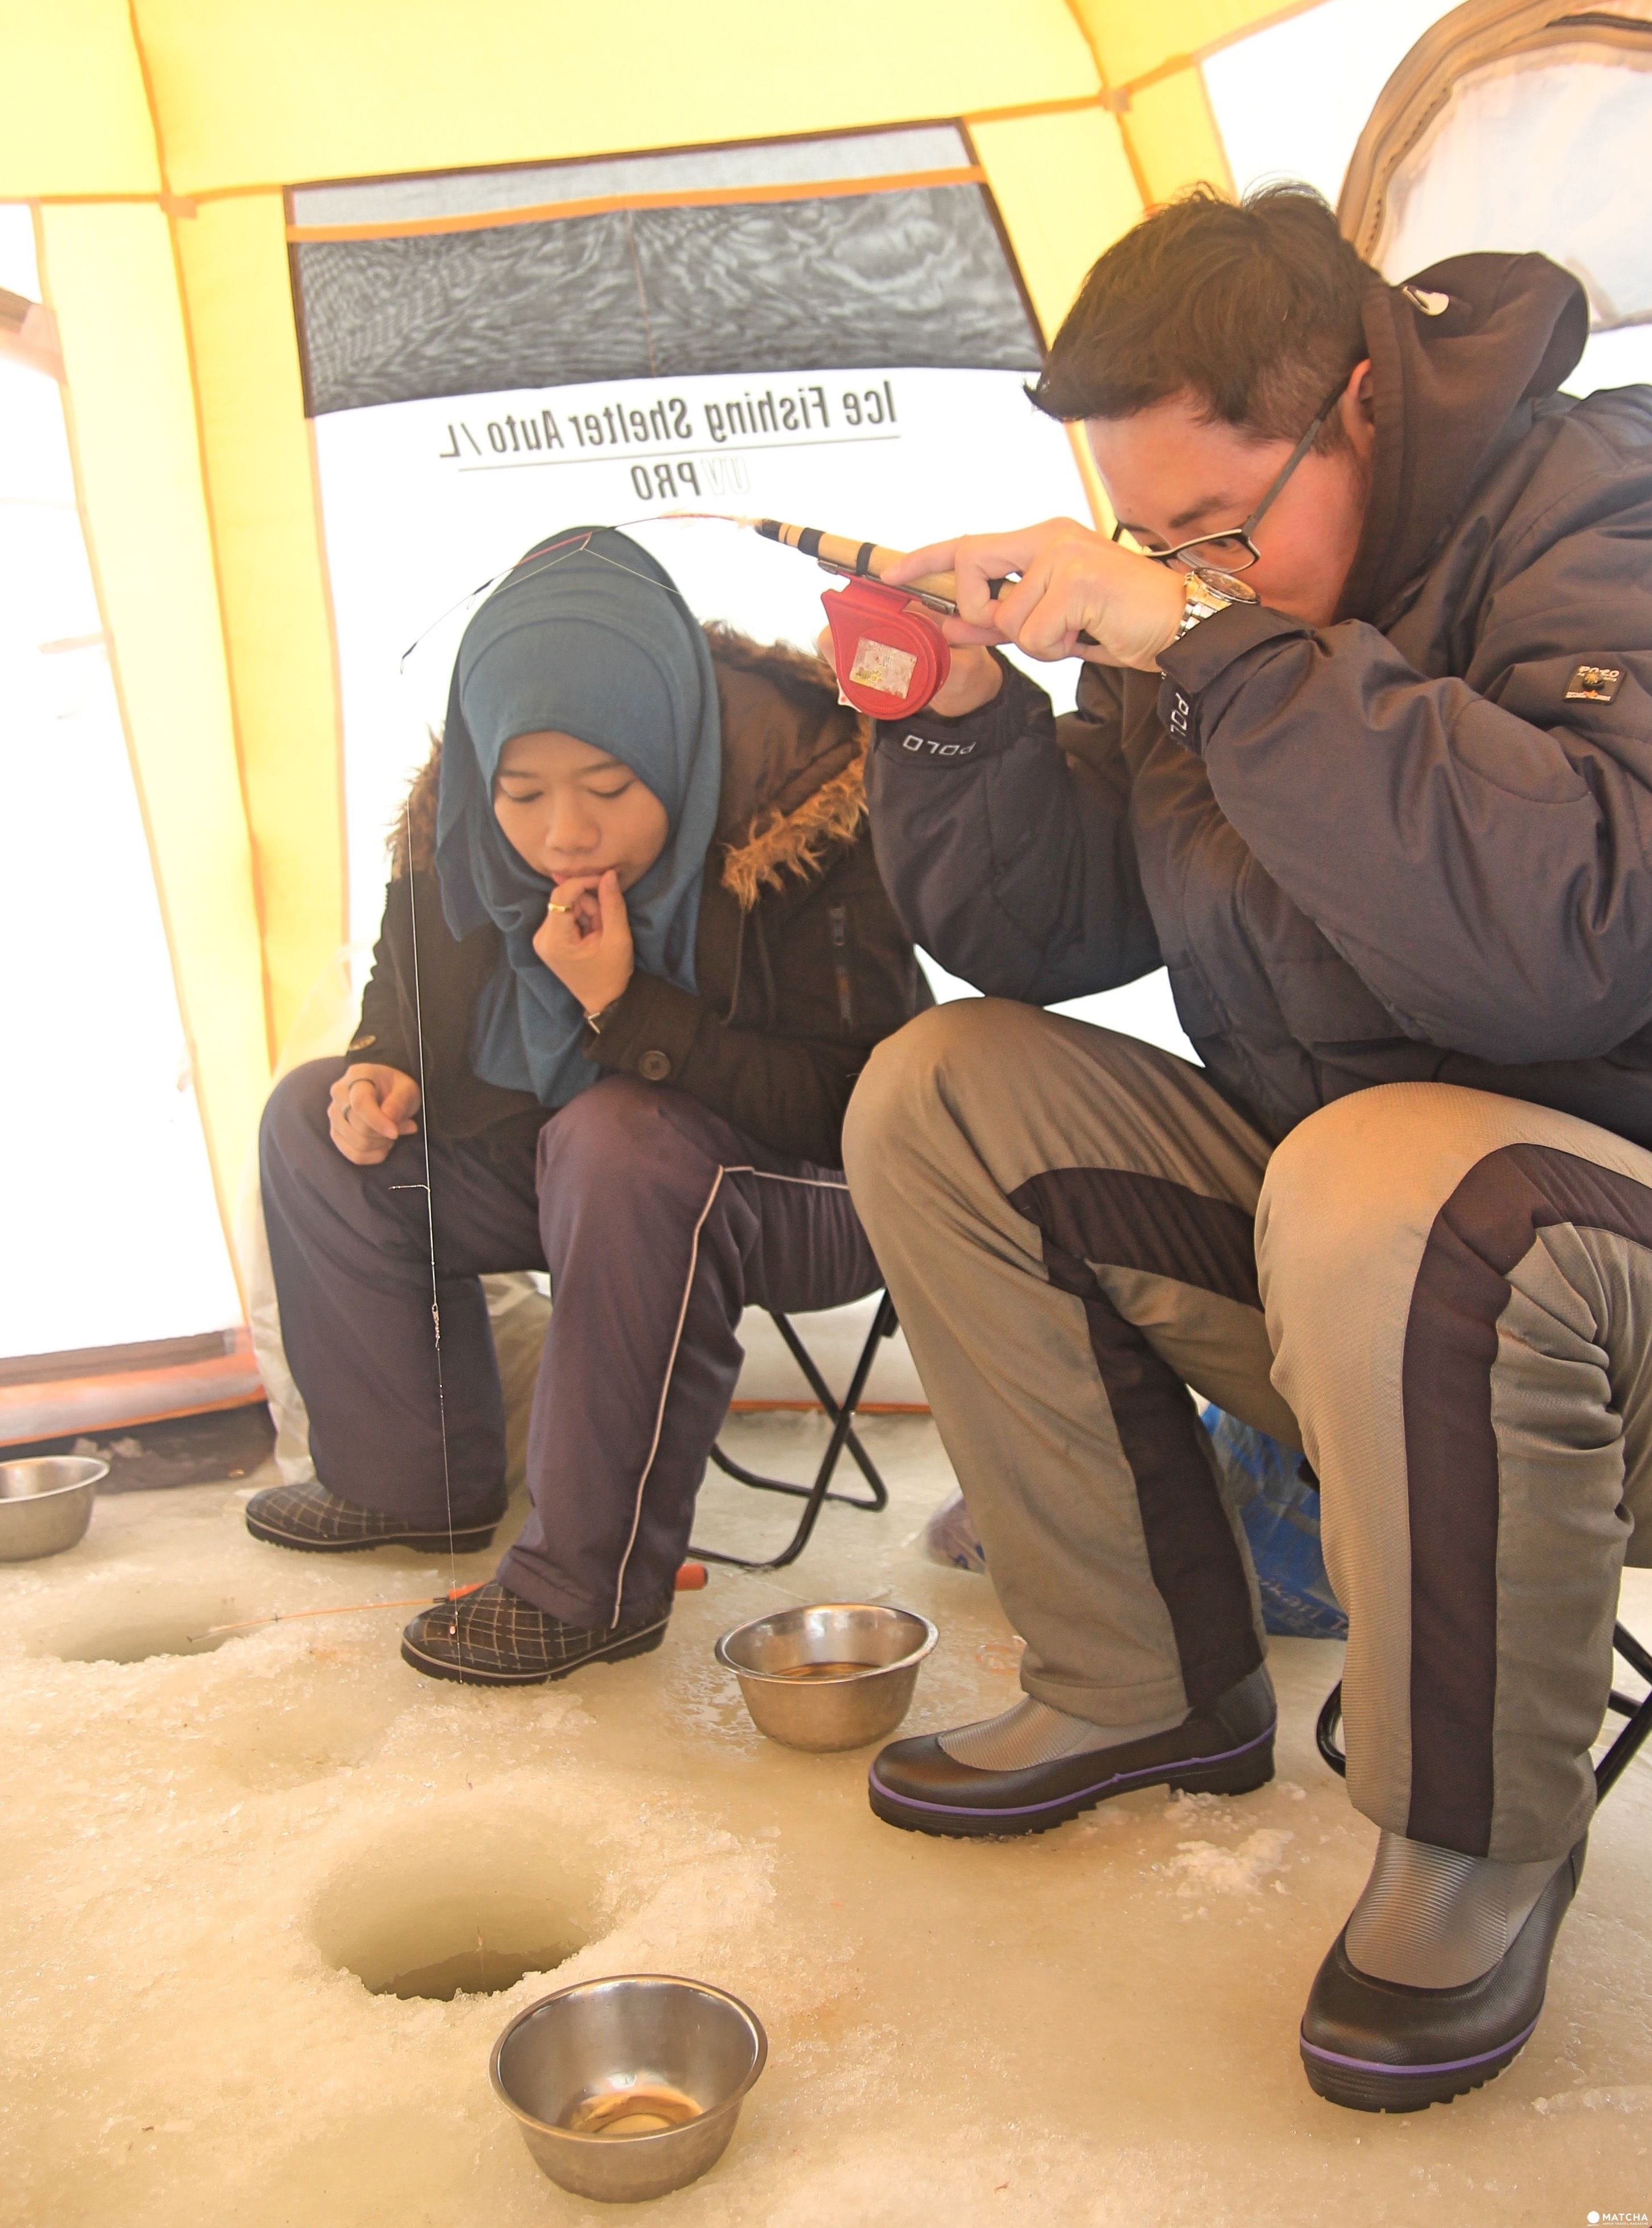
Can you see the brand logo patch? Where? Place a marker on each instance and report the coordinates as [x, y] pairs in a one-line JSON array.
[[1594, 684], [938, 749]]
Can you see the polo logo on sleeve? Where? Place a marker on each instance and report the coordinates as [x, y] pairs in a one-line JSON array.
[[1594, 684], [1181, 714]]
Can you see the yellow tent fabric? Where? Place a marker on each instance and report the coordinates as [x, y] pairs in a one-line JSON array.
[[157, 141]]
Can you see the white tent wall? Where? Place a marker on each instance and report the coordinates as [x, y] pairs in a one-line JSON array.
[[108, 1227], [1508, 126], [1291, 100]]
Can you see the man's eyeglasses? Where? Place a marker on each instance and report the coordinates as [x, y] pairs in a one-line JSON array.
[[1235, 550]]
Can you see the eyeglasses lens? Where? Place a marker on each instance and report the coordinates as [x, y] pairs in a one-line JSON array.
[[1223, 553]]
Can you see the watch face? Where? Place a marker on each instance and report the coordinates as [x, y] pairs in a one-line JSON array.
[[1227, 586]]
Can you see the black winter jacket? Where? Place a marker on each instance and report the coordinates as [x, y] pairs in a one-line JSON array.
[[801, 963], [1415, 844]]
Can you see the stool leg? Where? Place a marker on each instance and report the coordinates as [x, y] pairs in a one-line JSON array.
[[1619, 1756], [885, 1324], [1611, 1766], [817, 1495]]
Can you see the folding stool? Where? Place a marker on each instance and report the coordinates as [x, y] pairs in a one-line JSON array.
[[843, 1440]]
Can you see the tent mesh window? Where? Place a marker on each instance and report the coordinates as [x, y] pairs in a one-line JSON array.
[[1444, 166], [873, 249]]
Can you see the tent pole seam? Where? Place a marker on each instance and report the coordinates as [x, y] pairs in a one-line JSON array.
[[1130, 156]]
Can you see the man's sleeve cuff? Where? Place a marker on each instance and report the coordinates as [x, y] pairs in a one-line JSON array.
[[1205, 654], [927, 739]]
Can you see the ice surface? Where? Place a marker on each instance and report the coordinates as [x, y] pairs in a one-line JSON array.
[[210, 1860]]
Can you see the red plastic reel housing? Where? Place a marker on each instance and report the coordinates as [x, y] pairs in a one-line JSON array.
[[891, 656]]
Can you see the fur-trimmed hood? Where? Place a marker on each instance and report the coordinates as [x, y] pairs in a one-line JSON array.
[[794, 770]]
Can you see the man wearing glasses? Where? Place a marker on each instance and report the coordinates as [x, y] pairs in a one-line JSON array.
[[1363, 755]]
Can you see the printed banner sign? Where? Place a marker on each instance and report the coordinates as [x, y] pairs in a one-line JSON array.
[[426, 502]]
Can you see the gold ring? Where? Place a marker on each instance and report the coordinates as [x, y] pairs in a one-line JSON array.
[[554, 907]]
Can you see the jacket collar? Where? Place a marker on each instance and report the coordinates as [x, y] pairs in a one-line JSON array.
[[1459, 354]]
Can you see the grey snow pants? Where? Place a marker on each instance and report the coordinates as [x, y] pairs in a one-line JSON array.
[[658, 1223], [1444, 1296]]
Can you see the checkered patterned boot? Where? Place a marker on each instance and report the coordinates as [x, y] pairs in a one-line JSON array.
[[494, 1638], [317, 1522]]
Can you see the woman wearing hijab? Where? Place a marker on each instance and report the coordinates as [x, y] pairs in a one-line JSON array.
[[635, 906]]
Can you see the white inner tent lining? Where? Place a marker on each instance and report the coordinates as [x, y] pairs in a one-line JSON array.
[[109, 1232], [1536, 151]]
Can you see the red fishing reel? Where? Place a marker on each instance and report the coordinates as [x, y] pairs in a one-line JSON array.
[[891, 656]]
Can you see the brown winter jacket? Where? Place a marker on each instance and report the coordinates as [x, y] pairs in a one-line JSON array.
[[801, 963], [1412, 845]]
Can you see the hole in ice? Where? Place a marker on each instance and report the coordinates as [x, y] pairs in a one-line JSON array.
[[465, 1902], [128, 1630], [478, 1971]]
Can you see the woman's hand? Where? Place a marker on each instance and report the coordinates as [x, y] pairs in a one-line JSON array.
[[1072, 581], [369, 1108], [586, 939]]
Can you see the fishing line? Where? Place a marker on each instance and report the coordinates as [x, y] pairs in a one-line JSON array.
[[555, 552], [572, 544], [337, 1609], [430, 1224]]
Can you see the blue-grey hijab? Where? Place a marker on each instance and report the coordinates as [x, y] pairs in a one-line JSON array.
[[589, 637]]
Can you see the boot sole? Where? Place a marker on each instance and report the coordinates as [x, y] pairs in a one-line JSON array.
[[1236, 1771], [438, 1667], [429, 1543], [1364, 2085]]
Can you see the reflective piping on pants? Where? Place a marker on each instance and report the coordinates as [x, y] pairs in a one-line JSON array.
[[815, 1183]]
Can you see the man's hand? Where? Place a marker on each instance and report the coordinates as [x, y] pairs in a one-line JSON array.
[[586, 939], [369, 1107], [1072, 581]]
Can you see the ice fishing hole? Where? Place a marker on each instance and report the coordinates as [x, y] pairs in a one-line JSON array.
[[173, 1621], [465, 1901], [478, 1971]]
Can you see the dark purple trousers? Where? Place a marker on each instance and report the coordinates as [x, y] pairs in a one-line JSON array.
[[658, 1223]]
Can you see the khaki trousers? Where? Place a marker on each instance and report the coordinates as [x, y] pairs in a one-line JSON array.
[[1442, 1296]]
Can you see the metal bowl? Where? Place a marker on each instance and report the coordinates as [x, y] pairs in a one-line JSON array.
[[645, 2047], [839, 1675], [46, 1504]]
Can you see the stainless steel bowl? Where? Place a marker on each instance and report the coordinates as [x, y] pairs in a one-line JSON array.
[[839, 1675], [46, 1504], [643, 2047]]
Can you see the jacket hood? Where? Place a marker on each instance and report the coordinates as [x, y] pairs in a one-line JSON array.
[[1459, 354]]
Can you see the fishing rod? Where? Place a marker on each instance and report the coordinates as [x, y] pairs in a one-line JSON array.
[[891, 657], [890, 654]]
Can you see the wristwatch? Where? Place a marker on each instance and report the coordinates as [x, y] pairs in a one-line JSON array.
[[1206, 591]]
